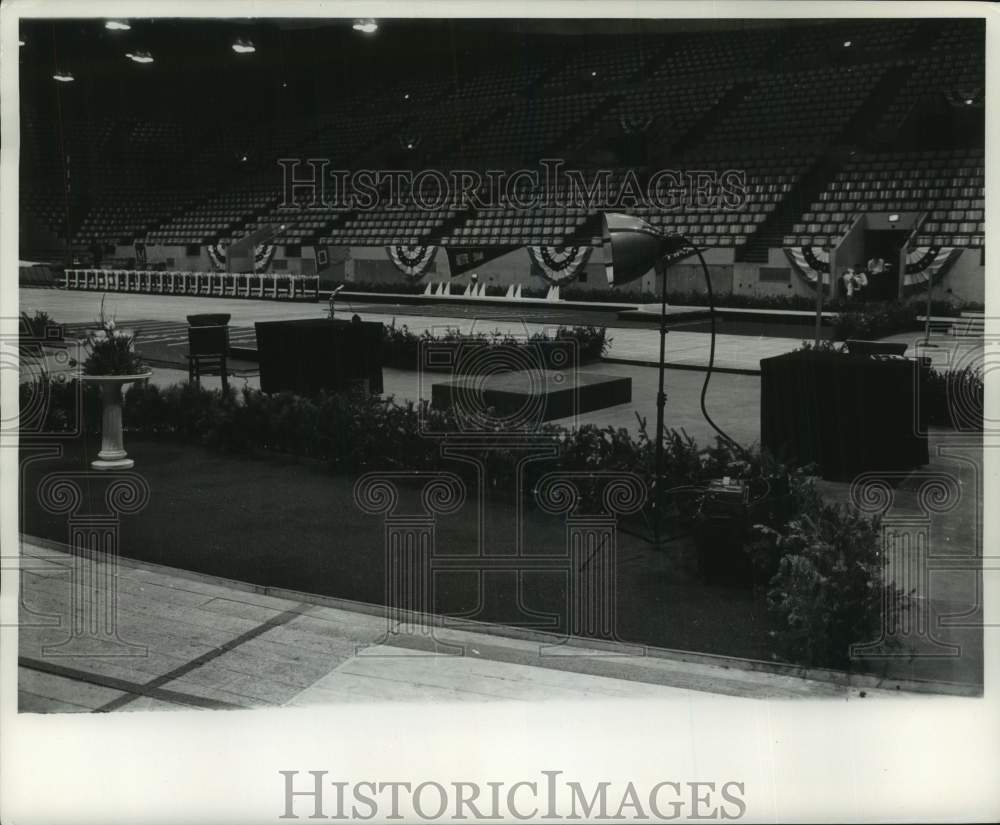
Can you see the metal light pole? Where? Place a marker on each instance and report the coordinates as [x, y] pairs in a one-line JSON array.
[[661, 398]]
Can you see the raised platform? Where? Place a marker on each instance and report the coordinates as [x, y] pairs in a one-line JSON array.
[[488, 300], [531, 395], [650, 314]]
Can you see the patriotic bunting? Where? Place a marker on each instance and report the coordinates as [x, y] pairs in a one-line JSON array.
[[262, 255], [926, 262], [412, 261], [811, 262], [559, 264]]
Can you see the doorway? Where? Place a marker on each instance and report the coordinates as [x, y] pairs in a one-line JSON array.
[[885, 244]]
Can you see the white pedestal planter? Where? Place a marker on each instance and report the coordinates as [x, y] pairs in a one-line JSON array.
[[112, 455]]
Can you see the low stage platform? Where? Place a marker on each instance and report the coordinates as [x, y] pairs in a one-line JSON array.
[[531, 396]]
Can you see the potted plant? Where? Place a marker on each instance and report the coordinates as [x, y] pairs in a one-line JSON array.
[[111, 363]]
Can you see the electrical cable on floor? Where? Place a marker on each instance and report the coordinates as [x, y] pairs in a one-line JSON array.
[[711, 355]]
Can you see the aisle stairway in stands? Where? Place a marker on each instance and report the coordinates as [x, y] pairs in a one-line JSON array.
[[772, 231], [693, 138], [859, 130]]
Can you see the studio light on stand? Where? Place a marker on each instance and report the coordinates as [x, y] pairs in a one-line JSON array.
[[631, 248]]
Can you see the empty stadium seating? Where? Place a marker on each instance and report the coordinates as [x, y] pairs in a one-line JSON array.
[[776, 103], [947, 184]]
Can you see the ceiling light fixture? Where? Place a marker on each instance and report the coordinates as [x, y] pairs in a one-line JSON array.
[[117, 25], [63, 77], [139, 57], [366, 25], [847, 44], [244, 47]]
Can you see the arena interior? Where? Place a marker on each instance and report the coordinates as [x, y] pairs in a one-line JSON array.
[[819, 374]]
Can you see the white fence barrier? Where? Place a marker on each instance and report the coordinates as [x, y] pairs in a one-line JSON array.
[[223, 284]]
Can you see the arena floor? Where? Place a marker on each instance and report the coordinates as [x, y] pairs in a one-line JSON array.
[[634, 342]]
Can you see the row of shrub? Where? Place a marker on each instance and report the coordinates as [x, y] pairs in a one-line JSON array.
[[876, 320], [955, 398], [952, 398], [820, 561], [565, 348]]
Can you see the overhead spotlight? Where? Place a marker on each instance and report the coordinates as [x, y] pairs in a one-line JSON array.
[[243, 159], [409, 145], [63, 77], [593, 74], [117, 25], [244, 47], [139, 57], [365, 25], [969, 101], [406, 96], [21, 42], [847, 44], [284, 85], [893, 218]]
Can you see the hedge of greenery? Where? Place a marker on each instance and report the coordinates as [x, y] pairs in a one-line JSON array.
[[876, 320], [821, 561], [955, 398], [40, 326], [582, 345]]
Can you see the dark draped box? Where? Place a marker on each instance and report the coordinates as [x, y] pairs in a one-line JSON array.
[[847, 414], [307, 356]]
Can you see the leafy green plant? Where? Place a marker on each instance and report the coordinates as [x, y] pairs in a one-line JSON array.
[[40, 326], [825, 345], [828, 586], [876, 320], [111, 351], [954, 398], [402, 347]]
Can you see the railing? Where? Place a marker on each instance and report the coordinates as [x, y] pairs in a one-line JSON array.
[[220, 284]]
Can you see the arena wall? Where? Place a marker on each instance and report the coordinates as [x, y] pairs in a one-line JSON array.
[[775, 278]]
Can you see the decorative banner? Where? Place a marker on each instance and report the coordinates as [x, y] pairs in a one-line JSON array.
[[463, 258], [810, 262], [559, 264], [924, 263], [412, 261], [262, 255]]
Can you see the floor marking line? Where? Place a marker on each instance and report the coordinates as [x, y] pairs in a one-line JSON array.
[[275, 621], [114, 683]]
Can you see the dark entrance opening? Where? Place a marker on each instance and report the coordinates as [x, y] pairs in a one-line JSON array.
[[885, 244]]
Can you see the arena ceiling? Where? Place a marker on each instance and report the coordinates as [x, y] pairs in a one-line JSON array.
[[298, 63]]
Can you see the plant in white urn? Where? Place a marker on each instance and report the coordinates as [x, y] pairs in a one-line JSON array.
[[111, 363]]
